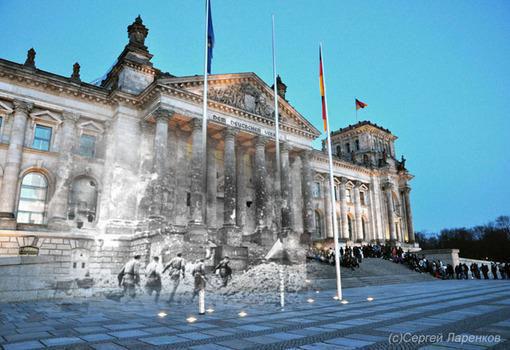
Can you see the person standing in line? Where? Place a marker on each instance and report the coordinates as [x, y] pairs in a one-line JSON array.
[[153, 275], [494, 270], [129, 276], [176, 268]]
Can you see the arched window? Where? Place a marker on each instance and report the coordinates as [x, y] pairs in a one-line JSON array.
[[349, 223], [338, 151], [32, 199], [318, 224]]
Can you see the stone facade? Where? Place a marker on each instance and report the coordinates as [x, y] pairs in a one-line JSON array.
[[91, 173]]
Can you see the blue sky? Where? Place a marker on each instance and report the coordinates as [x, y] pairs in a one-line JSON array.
[[436, 73]]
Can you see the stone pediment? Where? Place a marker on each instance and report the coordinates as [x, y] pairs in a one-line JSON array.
[[246, 92], [244, 96]]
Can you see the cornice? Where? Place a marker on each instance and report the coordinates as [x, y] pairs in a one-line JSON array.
[[18, 74], [322, 158], [147, 96]]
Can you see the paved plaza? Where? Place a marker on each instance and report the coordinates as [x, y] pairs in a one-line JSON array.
[[439, 314]]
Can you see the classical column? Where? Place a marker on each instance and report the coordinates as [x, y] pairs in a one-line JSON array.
[[328, 214], [162, 117], [409, 215], [241, 187], [212, 183], [306, 188], [391, 214], [13, 160], [229, 161], [357, 212], [57, 209], [160, 148], [343, 209], [285, 187], [260, 182], [197, 183]]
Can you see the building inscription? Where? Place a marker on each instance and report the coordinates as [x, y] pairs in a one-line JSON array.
[[241, 125]]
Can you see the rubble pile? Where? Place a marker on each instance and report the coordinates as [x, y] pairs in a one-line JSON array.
[[265, 278]]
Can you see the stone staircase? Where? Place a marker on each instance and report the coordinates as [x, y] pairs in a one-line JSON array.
[[372, 272]]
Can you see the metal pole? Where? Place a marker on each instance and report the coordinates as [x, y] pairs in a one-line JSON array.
[[278, 165], [276, 114], [204, 114], [332, 189]]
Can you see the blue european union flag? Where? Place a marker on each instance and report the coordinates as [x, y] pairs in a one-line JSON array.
[[210, 39]]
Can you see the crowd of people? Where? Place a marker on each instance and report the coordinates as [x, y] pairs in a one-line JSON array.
[[351, 257]]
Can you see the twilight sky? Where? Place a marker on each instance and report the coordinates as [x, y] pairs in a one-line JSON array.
[[436, 73]]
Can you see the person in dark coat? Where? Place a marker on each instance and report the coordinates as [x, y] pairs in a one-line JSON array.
[[494, 270], [485, 271], [224, 270]]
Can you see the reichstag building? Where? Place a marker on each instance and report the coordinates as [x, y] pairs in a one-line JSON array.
[[93, 173]]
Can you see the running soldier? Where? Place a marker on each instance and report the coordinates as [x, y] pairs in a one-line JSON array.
[[176, 267], [224, 270], [129, 276], [153, 283], [200, 279]]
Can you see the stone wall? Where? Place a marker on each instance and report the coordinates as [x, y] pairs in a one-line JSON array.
[[448, 256]]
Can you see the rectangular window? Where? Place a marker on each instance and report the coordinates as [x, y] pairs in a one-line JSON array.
[[336, 193], [348, 147], [362, 198], [348, 195], [316, 189], [357, 145], [87, 146], [42, 138]]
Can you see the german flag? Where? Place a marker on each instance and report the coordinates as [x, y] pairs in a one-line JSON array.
[[360, 105], [323, 97]]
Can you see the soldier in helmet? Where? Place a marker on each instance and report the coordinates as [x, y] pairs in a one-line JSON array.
[[129, 276], [176, 268], [225, 270]]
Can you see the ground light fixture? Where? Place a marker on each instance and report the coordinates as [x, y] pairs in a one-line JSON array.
[[335, 297], [162, 314], [242, 314], [317, 291], [191, 319], [307, 281], [210, 310], [310, 300], [344, 302], [370, 298]]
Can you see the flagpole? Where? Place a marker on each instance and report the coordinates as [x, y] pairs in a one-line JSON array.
[[332, 188], [201, 300], [204, 107], [278, 165], [276, 120]]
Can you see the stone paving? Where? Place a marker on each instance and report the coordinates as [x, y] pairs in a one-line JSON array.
[[468, 314]]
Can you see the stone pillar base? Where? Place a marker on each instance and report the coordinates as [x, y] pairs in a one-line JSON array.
[[262, 236], [231, 235], [305, 238], [7, 223], [238, 256], [196, 234]]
